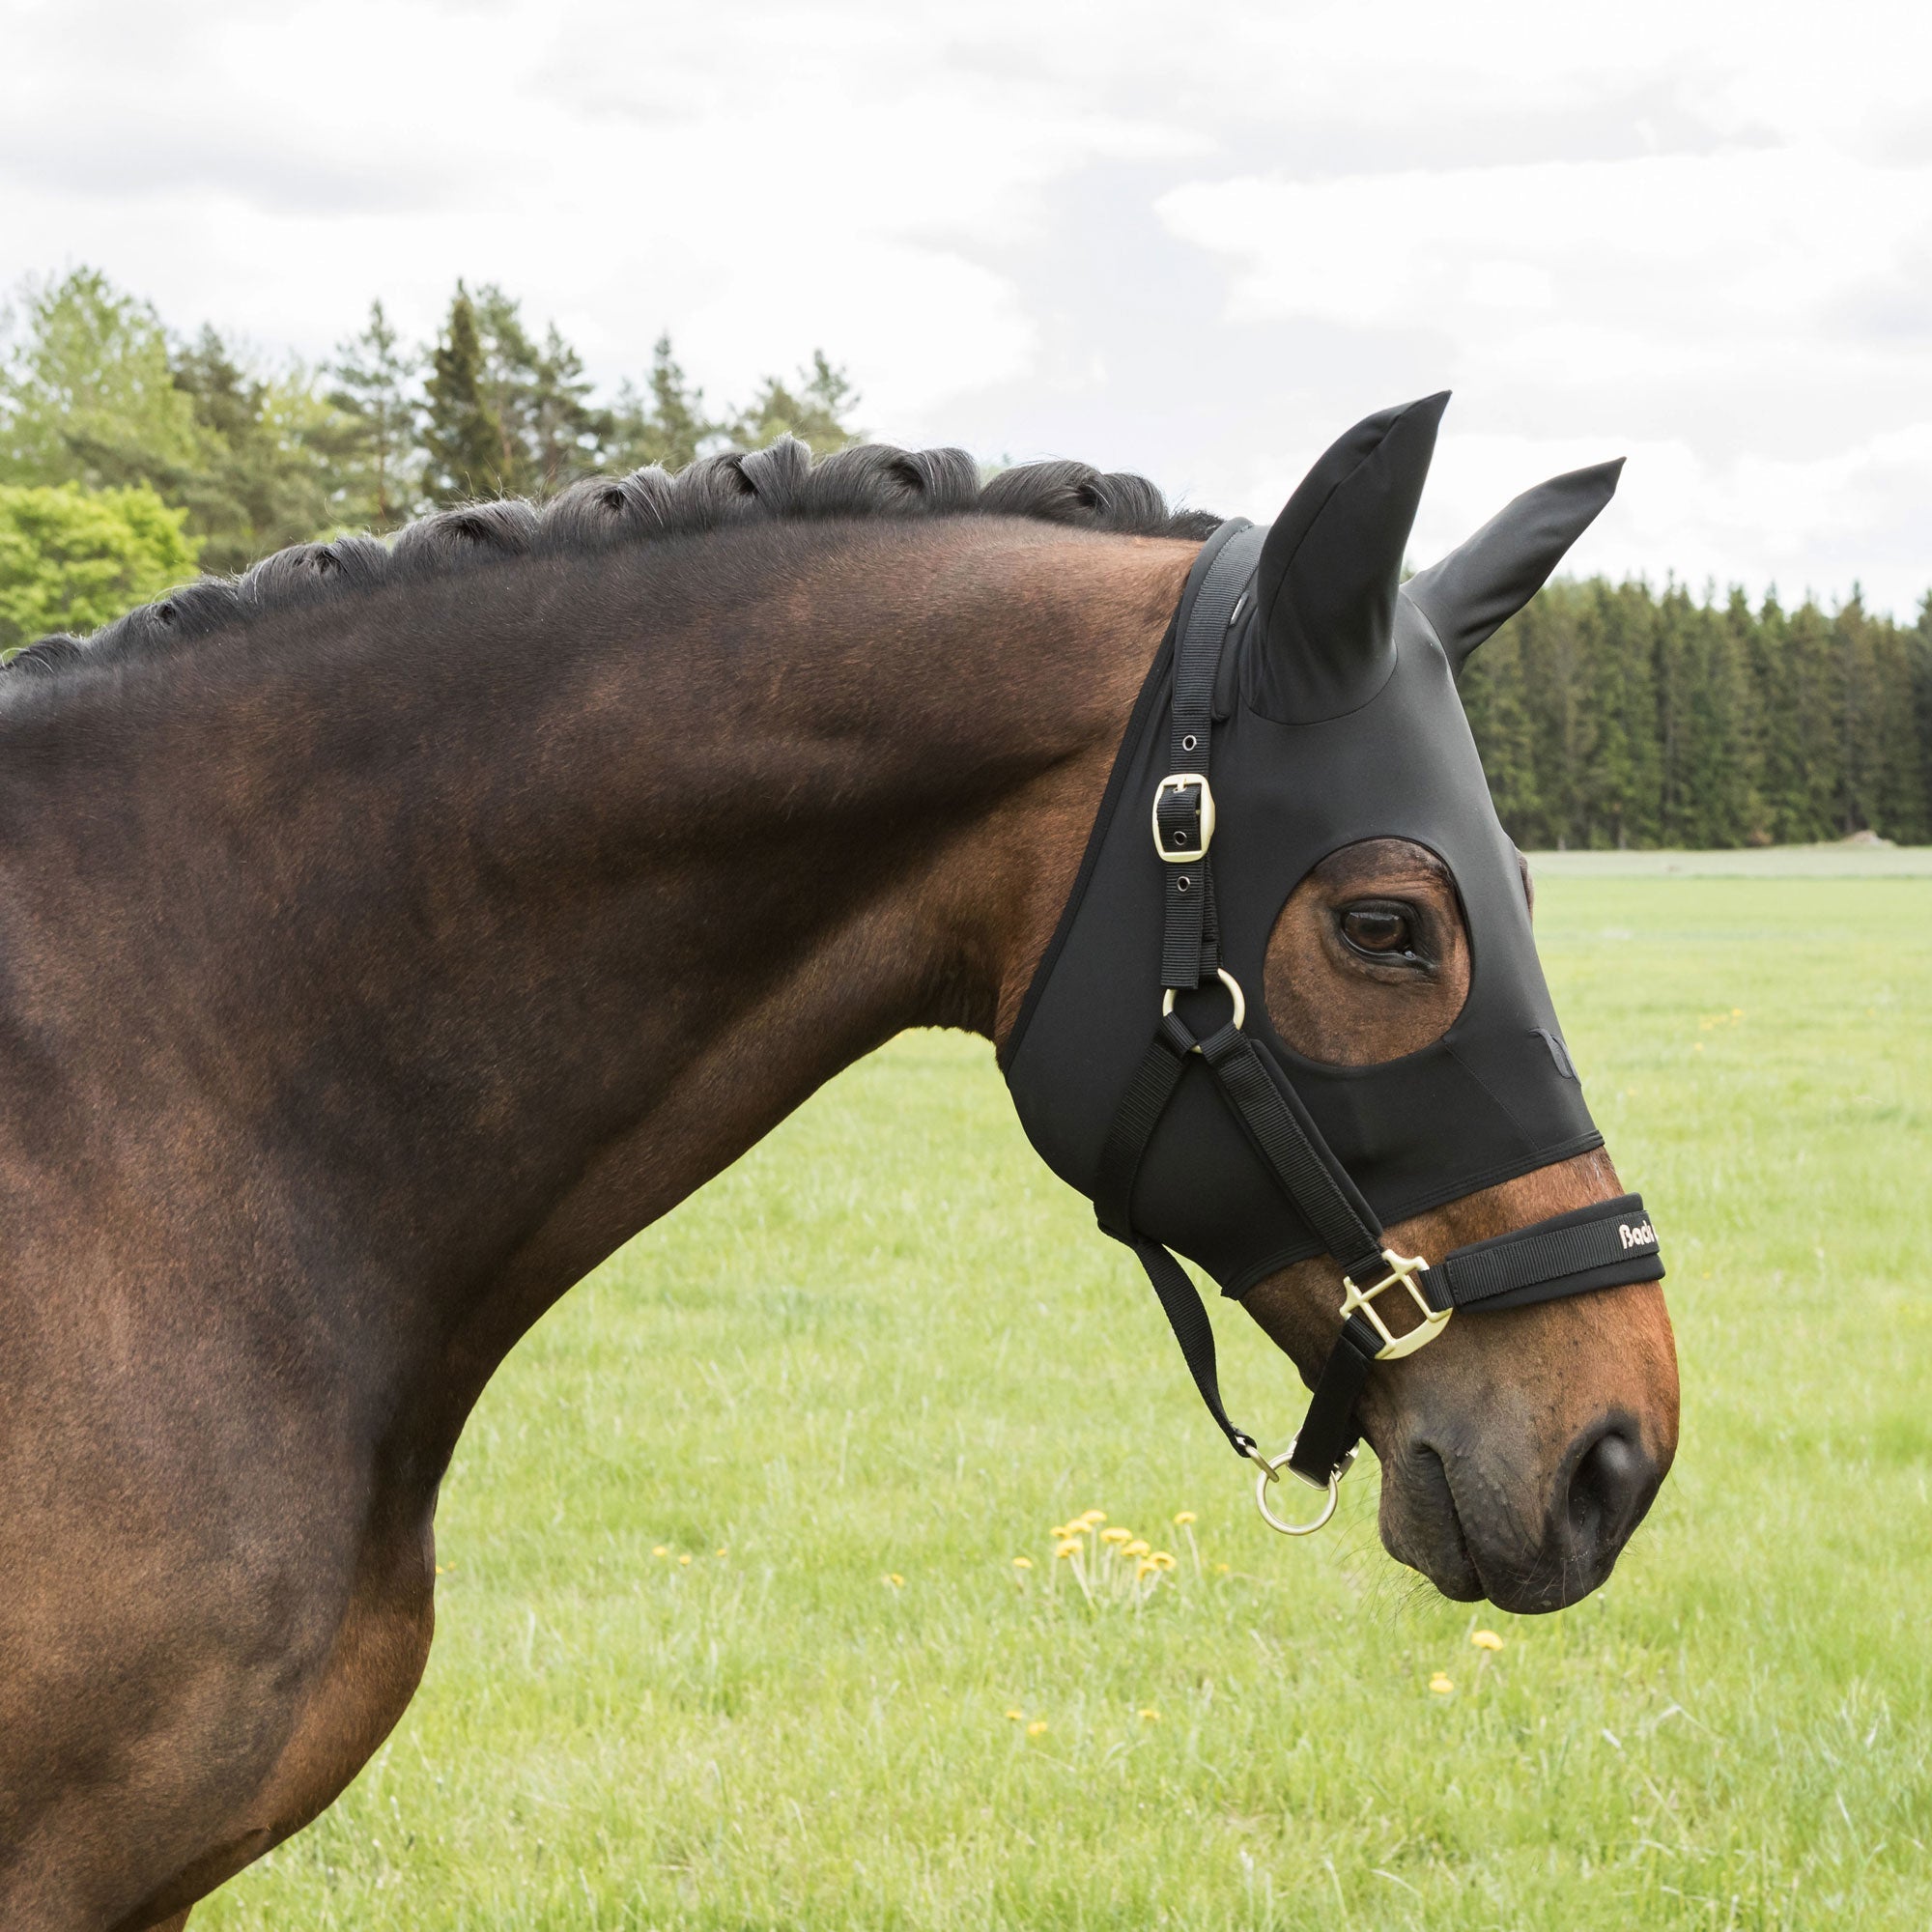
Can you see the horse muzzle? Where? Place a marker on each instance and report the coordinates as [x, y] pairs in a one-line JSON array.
[[1456, 1506]]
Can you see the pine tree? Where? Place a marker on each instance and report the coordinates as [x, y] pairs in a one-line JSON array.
[[667, 424], [463, 439], [1859, 716], [1897, 776], [1918, 644], [376, 449], [1812, 691], [263, 478], [1492, 688], [814, 411], [1618, 782], [568, 437]]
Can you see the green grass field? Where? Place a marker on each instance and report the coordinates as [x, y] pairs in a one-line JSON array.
[[878, 1361]]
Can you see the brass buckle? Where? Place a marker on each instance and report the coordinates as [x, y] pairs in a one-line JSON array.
[[1270, 1468], [1402, 1269], [1179, 782]]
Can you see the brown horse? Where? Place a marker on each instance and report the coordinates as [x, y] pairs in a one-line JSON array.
[[386, 938]]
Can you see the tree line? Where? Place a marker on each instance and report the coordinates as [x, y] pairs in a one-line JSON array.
[[1618, 715], [98, 396], [1608, 715]]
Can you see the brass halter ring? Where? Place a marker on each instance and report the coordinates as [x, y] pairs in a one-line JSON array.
[[1271, 1468], [1235, 993]]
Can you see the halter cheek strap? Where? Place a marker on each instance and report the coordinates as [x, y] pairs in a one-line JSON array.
[[1601, 1245]]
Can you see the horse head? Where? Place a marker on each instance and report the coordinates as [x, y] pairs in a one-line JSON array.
[[1388, 1128]]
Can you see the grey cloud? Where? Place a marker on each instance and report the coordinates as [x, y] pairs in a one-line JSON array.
[[1894, 310], [1187, 395], [128, 163]]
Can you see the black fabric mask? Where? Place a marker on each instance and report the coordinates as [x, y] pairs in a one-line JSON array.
[[1334, 719]]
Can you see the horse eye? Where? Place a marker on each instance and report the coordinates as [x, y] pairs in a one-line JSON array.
[[1380, 929]]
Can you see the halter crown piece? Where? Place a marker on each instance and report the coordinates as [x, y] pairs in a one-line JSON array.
[[1303, 700]]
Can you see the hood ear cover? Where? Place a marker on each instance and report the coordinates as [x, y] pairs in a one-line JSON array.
[[1493, 576], [1330, 572]]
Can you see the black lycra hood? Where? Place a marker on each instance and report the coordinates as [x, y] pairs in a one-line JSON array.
[[1335, 718]]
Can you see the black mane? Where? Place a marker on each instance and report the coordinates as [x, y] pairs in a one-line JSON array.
[[782, 483]]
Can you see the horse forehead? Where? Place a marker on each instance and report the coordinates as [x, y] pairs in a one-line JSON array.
[[1379, 861]]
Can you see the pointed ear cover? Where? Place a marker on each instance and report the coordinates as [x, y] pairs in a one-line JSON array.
[[1330, 569], [1493, 576]]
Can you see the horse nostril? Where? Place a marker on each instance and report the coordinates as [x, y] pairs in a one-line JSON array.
[[1609, 1490]]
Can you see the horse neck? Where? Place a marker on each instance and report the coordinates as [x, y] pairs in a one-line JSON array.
[[471, 927]]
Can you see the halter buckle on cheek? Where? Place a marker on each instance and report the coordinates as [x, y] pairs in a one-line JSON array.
[[1189, 830], [1402, 1269]]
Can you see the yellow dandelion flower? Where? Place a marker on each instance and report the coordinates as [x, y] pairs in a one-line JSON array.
[[1013, 1717], [684, 1559], [1185, 1516], [1221, 1569], [1059, 1532], [1441, 1683], [1139, 1546], [662, 1549], [1070, 1548], [1116, 1536], [1161, 1560], [896, 1579], [1487, 1641], [1145, 1569], [1092, 1516], [1022, 1562], [1148, 1716], [723, 1548], [1037, 1729]]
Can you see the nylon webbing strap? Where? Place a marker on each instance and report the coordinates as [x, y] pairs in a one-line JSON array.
[[1289, 1145], [1190, 949], [1606, 1234], [1135, 1118], [1187, 1316], [1328, 1430]]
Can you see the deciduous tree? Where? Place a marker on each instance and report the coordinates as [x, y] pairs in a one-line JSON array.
[[71, 559]]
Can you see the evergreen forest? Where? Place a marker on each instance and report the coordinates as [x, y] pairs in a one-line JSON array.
[[1608, 713], [1618, 715]]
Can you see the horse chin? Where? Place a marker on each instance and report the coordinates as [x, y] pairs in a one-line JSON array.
[[1421, 1528]]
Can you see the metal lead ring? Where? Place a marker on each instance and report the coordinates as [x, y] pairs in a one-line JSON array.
[[1235, 993], [1270, 1468]]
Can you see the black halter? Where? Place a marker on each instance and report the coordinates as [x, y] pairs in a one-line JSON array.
[[1198, 1042]]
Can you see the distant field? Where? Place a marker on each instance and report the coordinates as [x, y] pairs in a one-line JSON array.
[[870, 1367], [1776, 861]]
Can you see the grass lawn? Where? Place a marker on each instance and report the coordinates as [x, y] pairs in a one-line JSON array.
[[731, 1633]]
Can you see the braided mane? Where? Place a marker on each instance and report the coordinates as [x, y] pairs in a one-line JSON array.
[[780, 484]]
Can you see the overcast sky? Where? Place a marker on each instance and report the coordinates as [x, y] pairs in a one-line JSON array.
[[1198, 243]]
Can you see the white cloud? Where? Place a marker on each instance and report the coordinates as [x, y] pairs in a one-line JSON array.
[[1199, 244], [1721, 317]]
